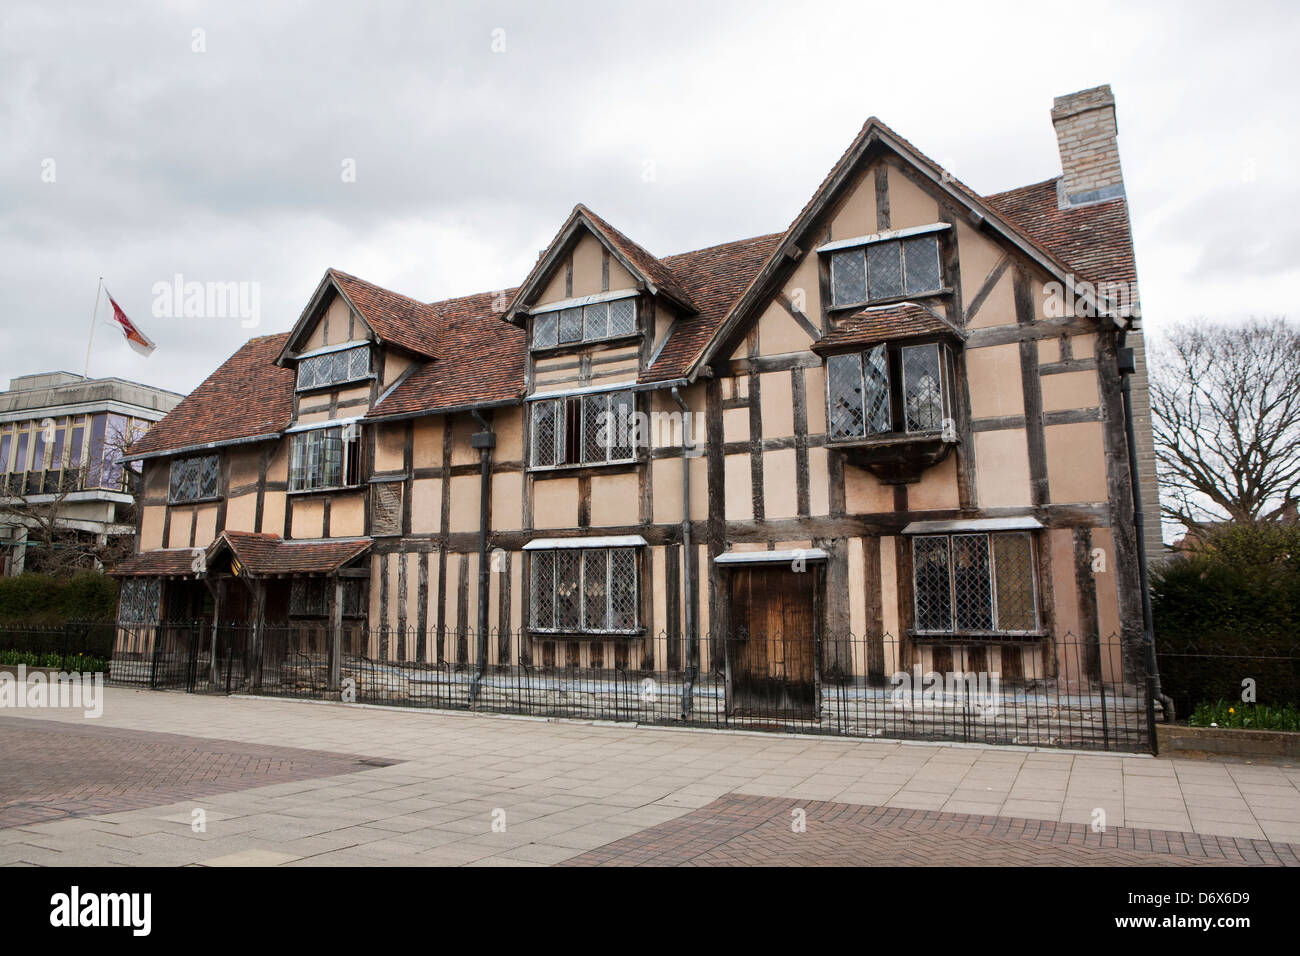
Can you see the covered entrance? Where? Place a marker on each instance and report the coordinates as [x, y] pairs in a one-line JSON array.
[[774, 599]]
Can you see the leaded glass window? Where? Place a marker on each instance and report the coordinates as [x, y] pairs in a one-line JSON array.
[[583, 429], [974, 583], [885, 270], [194, 479], [587, 323], [584, 590], [331, 368]]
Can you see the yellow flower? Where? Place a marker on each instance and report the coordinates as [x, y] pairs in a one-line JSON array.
[[1232, 710]]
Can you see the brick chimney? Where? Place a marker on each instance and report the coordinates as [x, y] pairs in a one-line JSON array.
[[1085, 135]]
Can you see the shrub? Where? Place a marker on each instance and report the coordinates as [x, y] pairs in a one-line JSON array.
[[44, 599], [1229, 611]]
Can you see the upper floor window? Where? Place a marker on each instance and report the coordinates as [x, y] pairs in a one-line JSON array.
[[332, 368], [583, 429], [586, 323], [885, 270], [590, 590], [194, 479], [325, 458], [974, 583], [890, 389]]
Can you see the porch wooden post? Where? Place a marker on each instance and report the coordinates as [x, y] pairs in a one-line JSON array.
[[336, 635], [259, 623], [217, 588]]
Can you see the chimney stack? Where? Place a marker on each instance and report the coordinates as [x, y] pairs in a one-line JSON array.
[[1085, 134]]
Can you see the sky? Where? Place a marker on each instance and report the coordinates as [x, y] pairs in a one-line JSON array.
[[435, 148]]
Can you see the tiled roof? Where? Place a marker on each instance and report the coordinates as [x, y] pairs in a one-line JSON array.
[[264, 554], [476, 359], [714, 277], [395, 318], [481, 360], [248, 395], [1093, 240], [870, 326], [164, 562]]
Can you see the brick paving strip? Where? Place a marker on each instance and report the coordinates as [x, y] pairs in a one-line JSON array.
[[51, 770], [742, 830]]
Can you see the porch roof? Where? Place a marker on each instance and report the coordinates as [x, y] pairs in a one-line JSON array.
[[269, 554], [162, 562]]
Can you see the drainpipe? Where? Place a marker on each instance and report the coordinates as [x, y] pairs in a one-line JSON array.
[[693, 660], [484, 441], [1127, 366]]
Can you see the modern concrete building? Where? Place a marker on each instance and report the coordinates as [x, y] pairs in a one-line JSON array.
[[61, 441]]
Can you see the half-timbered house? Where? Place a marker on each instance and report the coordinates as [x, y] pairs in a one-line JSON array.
[[891, 434]]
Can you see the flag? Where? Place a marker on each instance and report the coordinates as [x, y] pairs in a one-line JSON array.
[[134, 337]]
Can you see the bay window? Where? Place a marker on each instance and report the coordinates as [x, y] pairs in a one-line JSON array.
[[889, 389]]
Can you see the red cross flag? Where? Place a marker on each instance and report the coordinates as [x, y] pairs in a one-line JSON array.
[[134, 337]]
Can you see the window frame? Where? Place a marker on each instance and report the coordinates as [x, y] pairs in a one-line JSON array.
[[904, 292], [896, 383], [562, 415], [579, 556], [996, 630], [314, 358], [199, 462], [351, 458], [555, 341]]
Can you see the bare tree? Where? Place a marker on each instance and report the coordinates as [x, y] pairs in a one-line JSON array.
[[1225, 402]]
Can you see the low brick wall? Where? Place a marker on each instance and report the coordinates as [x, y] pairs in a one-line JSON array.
[[1227, 741]]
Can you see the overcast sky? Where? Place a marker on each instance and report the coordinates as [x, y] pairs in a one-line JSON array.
[[474, 128]]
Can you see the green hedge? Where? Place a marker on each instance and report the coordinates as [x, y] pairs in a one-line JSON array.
[[44, 599], [1229, 611]]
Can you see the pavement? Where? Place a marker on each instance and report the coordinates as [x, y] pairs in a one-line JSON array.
[[174, 779]]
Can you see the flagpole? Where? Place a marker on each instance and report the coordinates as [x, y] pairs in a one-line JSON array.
[[94, 315]]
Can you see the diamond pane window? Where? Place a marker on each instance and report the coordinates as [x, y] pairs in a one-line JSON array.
[[922, 388], [584, 590], [544, 330], [622, 589], [884, 270], [570, 326], [975, 583], [568, 597], [595, 430], [543, 589], [595, 574], [972, 596], [921, 262], [325, 458], [194, 479], [138, 601], [932, 583], [876, 397], [546, 439], [620, 440], [1014, 582], [848, 277], [344, 365], [595, 321], [844, 395], [622, 317]]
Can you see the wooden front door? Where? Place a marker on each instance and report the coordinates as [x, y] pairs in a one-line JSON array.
[[772, 648]]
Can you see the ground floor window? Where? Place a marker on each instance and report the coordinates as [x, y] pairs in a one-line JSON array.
[[591, 590], [138, 600], [974, 583]]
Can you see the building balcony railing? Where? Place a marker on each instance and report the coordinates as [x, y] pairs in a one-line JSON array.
[[27, 484]]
